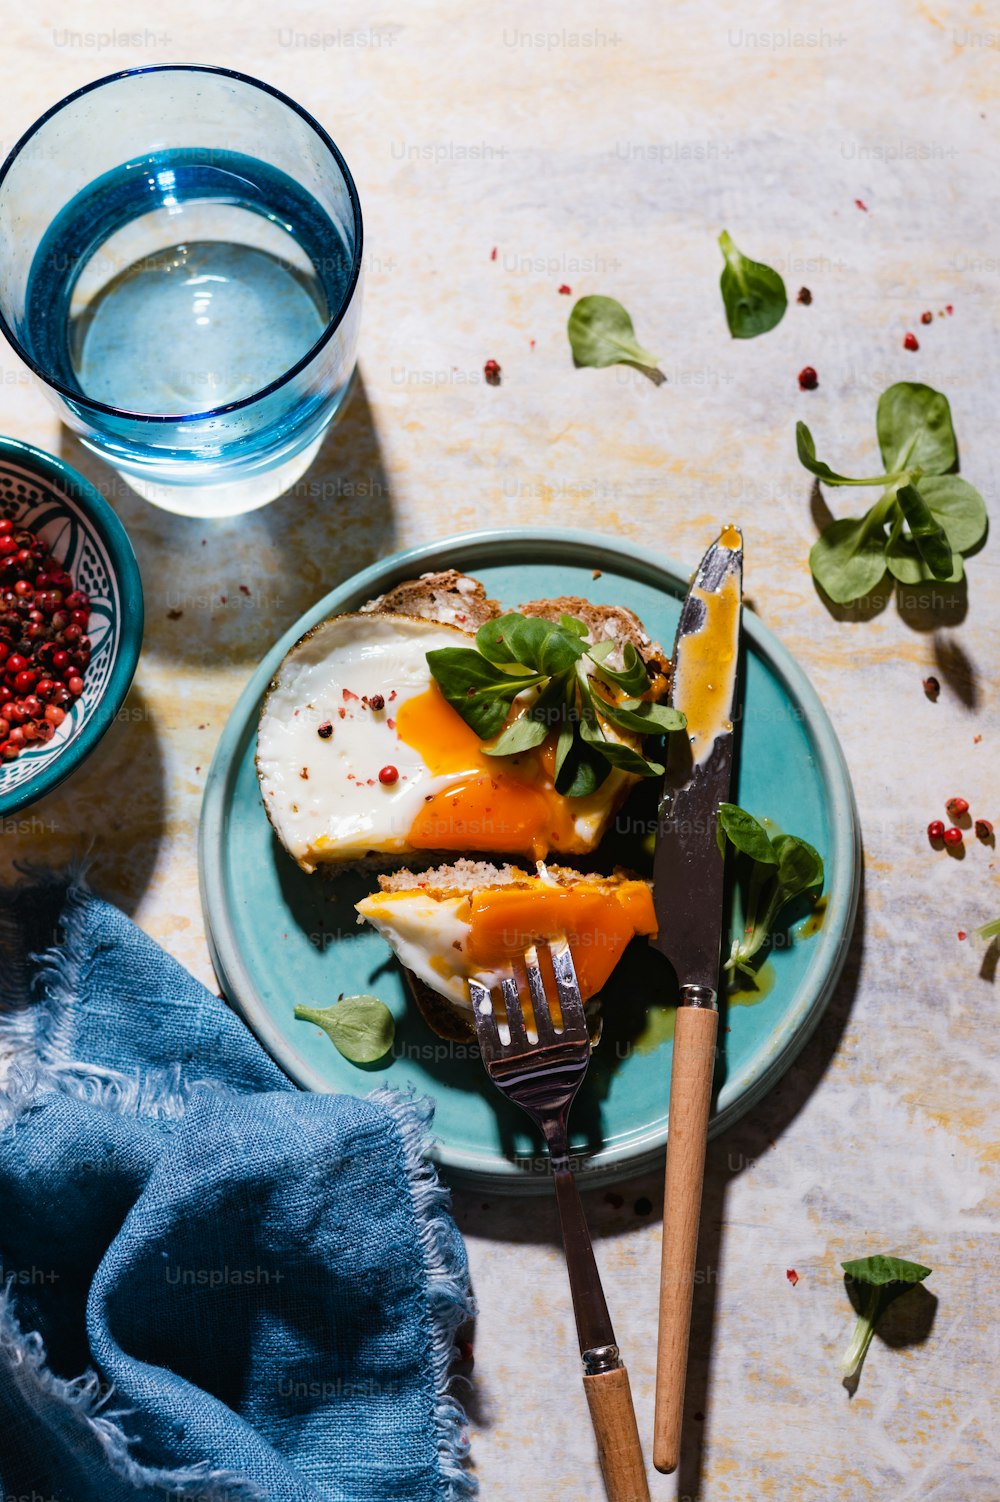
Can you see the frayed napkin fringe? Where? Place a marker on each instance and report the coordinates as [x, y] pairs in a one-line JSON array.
[[84, 1402], [450, 1301], [34, 1037]]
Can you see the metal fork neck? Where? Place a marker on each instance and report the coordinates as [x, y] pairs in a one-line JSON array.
[[593, 1322], [555, 1132]]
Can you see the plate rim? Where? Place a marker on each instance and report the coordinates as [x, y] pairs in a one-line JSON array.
[[469, 550]]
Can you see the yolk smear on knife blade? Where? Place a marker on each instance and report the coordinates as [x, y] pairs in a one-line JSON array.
[[706, 674], [598, 924]]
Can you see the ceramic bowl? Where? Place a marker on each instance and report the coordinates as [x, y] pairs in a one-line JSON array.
[[86, 537]]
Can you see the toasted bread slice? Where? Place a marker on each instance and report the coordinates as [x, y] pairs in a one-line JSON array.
[[328, 801]]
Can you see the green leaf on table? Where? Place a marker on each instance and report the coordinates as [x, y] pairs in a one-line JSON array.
[[848, 559], [806, 448], [360, 1027], [944, 516], [881, 1280], [879, 1270], [928, 536], [753, 294], [914, 427], [907, 565], [601, 333], [957, 507]]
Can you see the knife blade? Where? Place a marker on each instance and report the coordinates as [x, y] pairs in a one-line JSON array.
[[688, 899], [687, 864]]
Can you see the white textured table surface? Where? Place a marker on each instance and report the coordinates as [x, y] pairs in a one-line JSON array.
[[606, 151]]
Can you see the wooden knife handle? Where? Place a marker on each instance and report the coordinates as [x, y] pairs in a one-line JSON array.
[[690, 1096], [613, 1416]]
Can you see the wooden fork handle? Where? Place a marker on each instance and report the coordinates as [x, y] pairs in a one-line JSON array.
[[608, 1393], [690, 1096], [613, 1416]]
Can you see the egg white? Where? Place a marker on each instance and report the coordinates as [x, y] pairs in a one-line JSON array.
[[429, 936], [340, 811]]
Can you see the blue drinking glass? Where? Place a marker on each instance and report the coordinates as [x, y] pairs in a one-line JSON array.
[[180, 264]]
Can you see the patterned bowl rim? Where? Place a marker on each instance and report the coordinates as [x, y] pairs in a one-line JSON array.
[[64, 479]]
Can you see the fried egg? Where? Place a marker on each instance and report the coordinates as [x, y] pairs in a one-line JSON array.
[[359, 754], [446, 934]]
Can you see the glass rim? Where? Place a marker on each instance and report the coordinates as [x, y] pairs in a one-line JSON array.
[[88, 403]]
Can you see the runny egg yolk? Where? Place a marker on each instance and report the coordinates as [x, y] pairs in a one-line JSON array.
[[508, 805], [598, 923]]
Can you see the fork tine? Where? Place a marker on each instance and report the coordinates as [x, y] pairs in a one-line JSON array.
[[544, 1026], [567, 987], [514, 1011], [484, 1017]]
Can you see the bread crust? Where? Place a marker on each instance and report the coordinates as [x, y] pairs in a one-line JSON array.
[[610, 623], [449, 597]]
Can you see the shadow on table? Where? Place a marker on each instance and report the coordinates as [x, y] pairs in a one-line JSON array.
[[227, 587], [121, 785], [617, 1210]]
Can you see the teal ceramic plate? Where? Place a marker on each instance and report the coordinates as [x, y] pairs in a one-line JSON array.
[[279, 937]]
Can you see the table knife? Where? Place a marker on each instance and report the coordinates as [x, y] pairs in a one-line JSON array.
[[688, 898]]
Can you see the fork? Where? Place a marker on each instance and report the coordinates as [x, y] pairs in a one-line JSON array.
[[542, 1077]]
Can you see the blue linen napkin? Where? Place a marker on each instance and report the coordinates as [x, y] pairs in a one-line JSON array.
[[217, 1286]]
